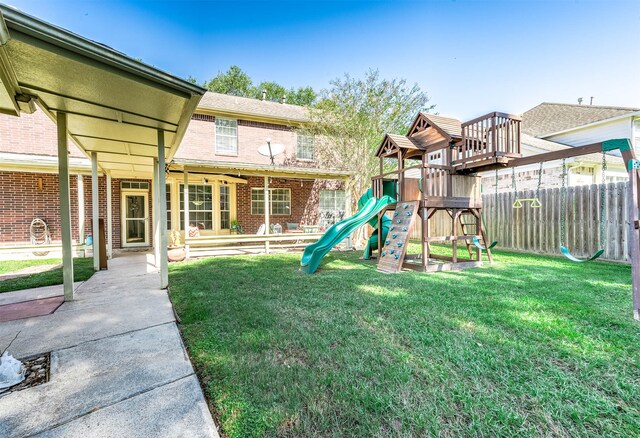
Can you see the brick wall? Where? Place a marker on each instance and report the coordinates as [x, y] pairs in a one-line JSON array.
[[21, 201], [305, 196], [31, 134], [199, 142]]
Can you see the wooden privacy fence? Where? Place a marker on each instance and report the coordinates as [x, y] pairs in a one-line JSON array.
[[538, 229]]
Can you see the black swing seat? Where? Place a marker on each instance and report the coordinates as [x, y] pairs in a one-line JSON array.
[[477, 243], [568, 255]]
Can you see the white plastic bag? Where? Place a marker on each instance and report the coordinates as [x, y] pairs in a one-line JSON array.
[[11, 371]]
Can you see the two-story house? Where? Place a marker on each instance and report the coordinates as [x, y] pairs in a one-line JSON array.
[[219, 157]]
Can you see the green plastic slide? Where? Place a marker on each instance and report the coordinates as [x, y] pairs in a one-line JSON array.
[[372, 243], [367, 213]]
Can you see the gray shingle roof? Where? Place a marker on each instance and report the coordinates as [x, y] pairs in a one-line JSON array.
[[405, 142], [548, 118], [450, 125], [261, 108]]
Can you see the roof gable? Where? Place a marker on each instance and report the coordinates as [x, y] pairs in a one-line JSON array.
[[449, 127], [394, 142], [548, 118]]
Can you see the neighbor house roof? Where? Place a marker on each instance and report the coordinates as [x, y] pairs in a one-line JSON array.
[[548, 118], [260, 109], [551, 146]]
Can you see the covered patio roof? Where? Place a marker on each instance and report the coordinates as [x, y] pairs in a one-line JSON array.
[[115, 105], [128, 117]]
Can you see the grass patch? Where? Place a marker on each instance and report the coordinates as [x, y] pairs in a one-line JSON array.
[[82, 270], [529, 346], [7, 266]]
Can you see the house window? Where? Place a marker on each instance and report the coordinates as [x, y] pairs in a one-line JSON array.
[[332, 207], [168, 200], [226, 136], [200, 206], [225, 210], [305, 147], [138, 185], [279, 201]]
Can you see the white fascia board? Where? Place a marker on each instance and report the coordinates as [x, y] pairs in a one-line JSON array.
[[588, 125]]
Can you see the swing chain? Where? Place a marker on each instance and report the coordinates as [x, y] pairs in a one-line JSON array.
[[563, 195], [539, 182], [603, 195]]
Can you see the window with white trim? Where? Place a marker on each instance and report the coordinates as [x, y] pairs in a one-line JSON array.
[[332, 207], [226, 136], [168, 201], [225, 208], [200, 206], [305, 147], [279, 201]]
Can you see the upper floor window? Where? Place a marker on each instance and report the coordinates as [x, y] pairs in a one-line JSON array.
[[305, 147], [226, 136]]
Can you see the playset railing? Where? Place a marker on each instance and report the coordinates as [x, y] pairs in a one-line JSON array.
[[434, 181], [487, 137]]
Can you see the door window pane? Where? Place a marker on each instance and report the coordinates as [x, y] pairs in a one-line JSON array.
[[135, 219]]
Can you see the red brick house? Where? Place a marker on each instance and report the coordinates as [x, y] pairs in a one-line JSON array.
[[218, 156]]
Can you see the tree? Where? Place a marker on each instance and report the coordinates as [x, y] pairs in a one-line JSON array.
[[352, 117], [274, 91], [238, 83], [234, 81], [304, 96]]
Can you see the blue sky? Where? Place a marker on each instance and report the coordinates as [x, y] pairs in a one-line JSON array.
[[471, 57]]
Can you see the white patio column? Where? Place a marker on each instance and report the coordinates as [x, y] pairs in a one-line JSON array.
[[109, 219], [65, 205], [95, 211], [155, 214], [162, 211], [266, 213], [80, 209], [185, 187]]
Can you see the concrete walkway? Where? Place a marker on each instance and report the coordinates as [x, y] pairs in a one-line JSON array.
[[118, 365]]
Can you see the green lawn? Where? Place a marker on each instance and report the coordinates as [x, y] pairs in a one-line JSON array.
[[82, 270], [7, 266], [529, 346]]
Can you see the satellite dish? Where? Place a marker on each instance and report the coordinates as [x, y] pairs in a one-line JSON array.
[[271, 150]]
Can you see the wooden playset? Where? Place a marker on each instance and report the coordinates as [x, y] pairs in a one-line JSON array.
[[434, 175]]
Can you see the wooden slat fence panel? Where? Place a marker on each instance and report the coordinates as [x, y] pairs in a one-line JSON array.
[[538, 229]]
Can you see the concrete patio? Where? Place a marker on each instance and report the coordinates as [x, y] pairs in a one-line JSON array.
[[118, 365]]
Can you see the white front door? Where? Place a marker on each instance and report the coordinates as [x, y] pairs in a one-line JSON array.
[[135, 219]]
